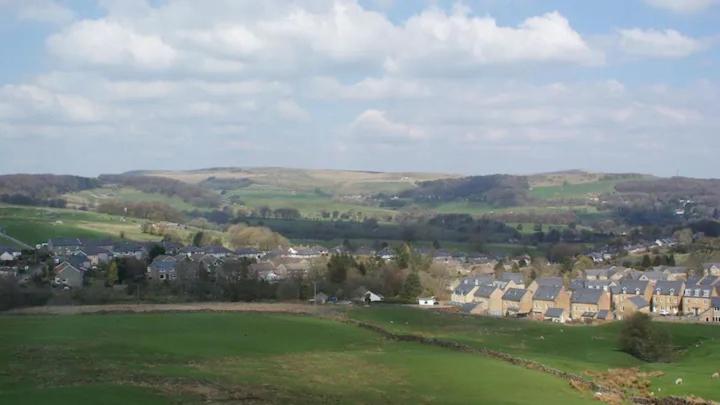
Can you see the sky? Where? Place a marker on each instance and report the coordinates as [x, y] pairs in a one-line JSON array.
[[471, 87]]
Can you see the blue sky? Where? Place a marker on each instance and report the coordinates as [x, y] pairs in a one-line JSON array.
[[476, 87]]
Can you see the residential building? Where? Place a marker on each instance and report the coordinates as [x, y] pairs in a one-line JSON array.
[[463, 292], [556, 315], [667, 297], [698, 294], [711, 269], [517, 302], [587, 302], [547, 297], [162, 268], [487, 300], [626, 289], [547, 281], [636, 303], [69, 276]]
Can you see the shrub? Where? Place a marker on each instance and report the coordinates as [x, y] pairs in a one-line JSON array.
[[640, 338]]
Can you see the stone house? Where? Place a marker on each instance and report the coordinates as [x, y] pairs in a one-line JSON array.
[[626, 289], [517, 302], [587, 302], [698, 293], [488, 301], [547, 297], [667, 297]]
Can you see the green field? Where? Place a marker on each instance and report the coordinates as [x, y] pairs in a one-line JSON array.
[[575, 191], [571, 348], [91, 198], [36, 225], [249, 358]]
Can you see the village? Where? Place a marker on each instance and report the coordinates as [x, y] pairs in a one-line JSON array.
[[487, 287]]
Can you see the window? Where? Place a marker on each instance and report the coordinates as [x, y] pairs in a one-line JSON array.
[[162, 277]]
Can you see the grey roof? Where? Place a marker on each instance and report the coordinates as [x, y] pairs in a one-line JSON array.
[[654, 275], [638, 301], [672, 269], [547, 293], [247, 251], [708, 266], [518, 278], [484, 291], [576, 284], [586, 296], [607, 272], [163, 263], [468, 307], [628, 286], [514, 294], [9, 249], [599, 284], [557, 281], [94, 250], [663, 287], [215, 250], [554, 312], [58, 242], [715, 302], [709, 280], [603, 314], [698, 290], [467, 284]]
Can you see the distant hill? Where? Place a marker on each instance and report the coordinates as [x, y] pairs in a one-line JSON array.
[[498, 190], [336, 182]]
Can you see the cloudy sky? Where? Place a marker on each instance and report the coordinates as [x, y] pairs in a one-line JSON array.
[[486, 86]]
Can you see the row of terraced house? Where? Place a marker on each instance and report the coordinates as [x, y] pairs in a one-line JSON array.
[[604, 294]]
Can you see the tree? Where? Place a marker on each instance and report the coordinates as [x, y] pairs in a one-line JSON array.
[[646, 263], [640, 338], [198, 239], [412, 287], [155, 251], [338, 266], [111, 275]]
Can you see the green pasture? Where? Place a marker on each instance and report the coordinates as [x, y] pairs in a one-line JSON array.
[[254, 358]]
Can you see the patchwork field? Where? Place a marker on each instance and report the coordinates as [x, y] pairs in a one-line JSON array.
[[571, 348], [248, 358], [94, 197]]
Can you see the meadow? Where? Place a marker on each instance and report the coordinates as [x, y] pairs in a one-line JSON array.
[[36, 225], [244, 357], [96, 196], [577, 349]]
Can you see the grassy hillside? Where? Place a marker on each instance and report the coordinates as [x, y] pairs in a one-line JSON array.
[[572, 348], [336, 182], [254, 358], [36, 225], [91, 198]]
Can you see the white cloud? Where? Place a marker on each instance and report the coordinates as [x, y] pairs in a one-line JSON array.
[[47, 11], [658, 43], [682, 6], [374, 126], [108, 43]]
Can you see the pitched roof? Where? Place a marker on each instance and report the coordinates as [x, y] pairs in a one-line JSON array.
[[715, 302], [576, 284], [59, 242], [586, 296], [546, 293], [638, 301], [607, 272], [628, 286], [603, 314], [484, 291], [557, 281], [517, 278], [664, 287], [514, 294], [554, 312], [654, 275]]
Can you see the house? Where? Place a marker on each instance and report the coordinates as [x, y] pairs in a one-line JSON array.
[[713, 313], [130, 249], [604, 285], [463, 293], [369, 296], [711, 269], [673, 273], [698, 294], [9, 254], [96, 255], [604, 315], [588, 301], [68, 276], [386, 254], [487, 300], [513, 280], [653, 275], [626, 289], [162, 268], [556, 315], [427, 302], [517, 302], [667, 297], [549, 296], [216, 251], [548, 281], [306, 253], [636, 303], [250, 253], [599, 274], [64, 246]]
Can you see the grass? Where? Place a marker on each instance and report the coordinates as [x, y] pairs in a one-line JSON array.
[[36, 225], [571, 348], [311, 204], [259, 358], [575, 191], [91, 198]]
